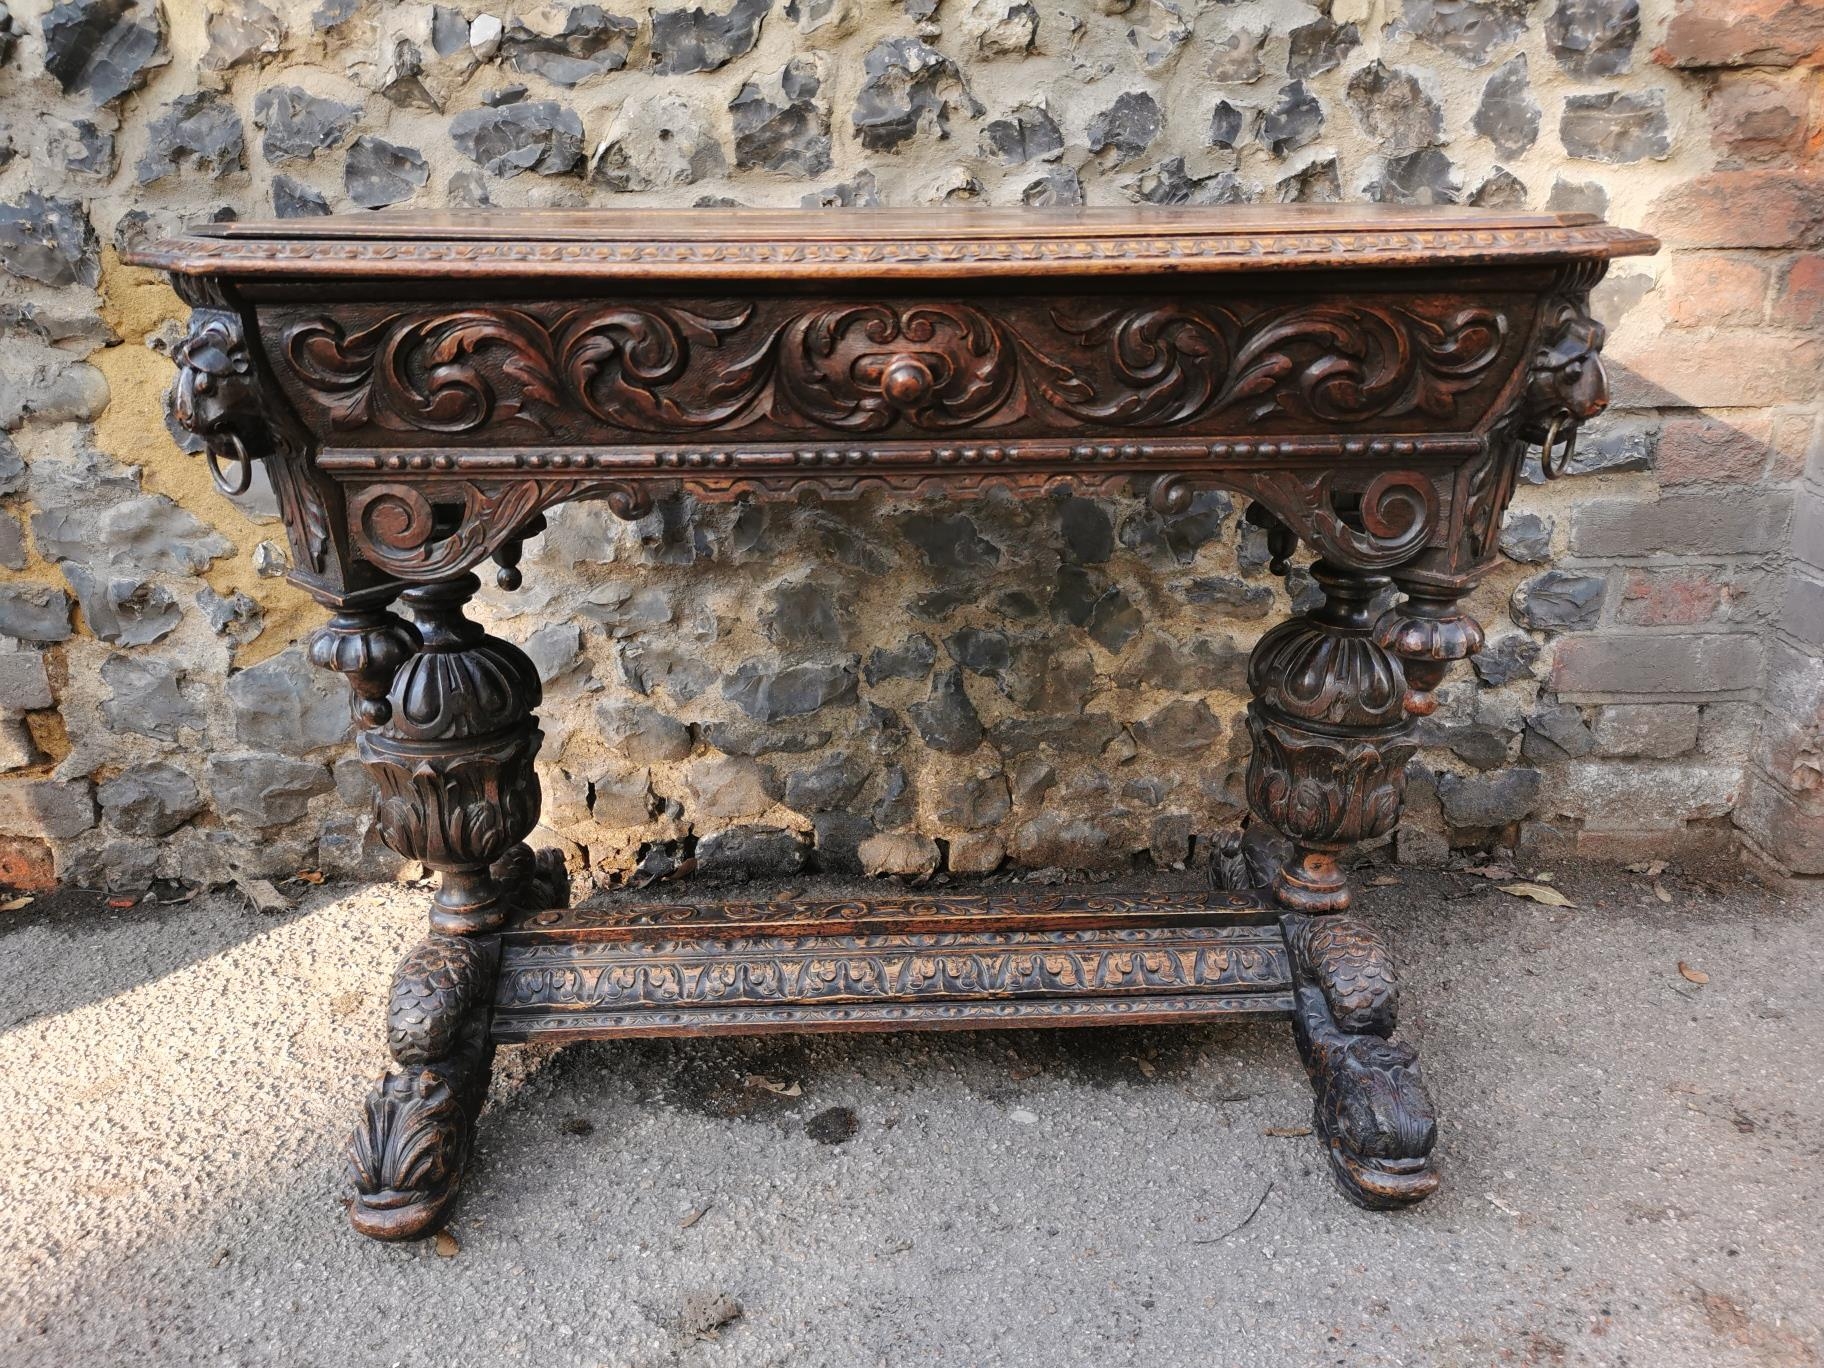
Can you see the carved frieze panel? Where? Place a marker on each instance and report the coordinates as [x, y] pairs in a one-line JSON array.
[[613, 370]]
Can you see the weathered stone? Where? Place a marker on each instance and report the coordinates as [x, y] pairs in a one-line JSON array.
[[1229, 124], [751, 852], [1559, 601], [836, 841], [1087, 599], [651, 144], [1616, 127], [908, 88], [1593, 37], [1489, 801], [947, 720], [897, 805], [1087, 734], [642, 734], [49, 240], [806, 612], [12, 542], [54, 808], [25, 685], [1655, 731], [151, 532], [1293, 120], [1500, 189], [555, 649], [1163, 30], [1577, 197], [1182, 727], [904, 853], [1127, 127], [948, 541], [1028, 133], [1470, 29], [297, 125], [1645, 796], [827, 786], [1527, 538], [242, 32], [1030, 778], [1394, 109], [1508, 116], [911, 659], [1204, 662], [1555, 732], [123, 610], [81, 147], [782, 123], [863, 192], [1176, 538], [1170, 183], [1056, 839], [104, 48], [1048, 676], [1319, 46], [1423, 177], [536, 135], [149, 800], [1059, 188], [1506, 659], [11, 31], [974, 854], [146, 698], [261, 790], [729, 786], [568, 47], [34, 612], [294, 199], [769, 693], [378, 173], [975, 802], [287, 704], [980, 651], [12, 466], [695, 39], [1480, 746], [1236, 60], [200, 131]]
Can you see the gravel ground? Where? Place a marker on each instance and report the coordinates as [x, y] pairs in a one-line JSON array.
[[1632, 1163]]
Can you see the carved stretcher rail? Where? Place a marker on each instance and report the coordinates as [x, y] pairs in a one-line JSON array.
[[418, 390]]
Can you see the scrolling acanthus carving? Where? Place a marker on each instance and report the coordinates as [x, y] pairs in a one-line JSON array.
[[659, 369]]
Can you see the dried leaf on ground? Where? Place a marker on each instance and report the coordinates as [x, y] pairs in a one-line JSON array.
[[446, 1245], [1385, 881], [1651, 868], [1146, 1067], [1659, 891], [15, 904], [309, 876], [1539, 893], [1286, 1132], [778, 1086], [694, 1217], [1694, 975], [263, 896]]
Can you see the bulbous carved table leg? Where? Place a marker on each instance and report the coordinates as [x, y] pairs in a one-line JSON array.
[[1335, 692], [1331, 738], [449, 736]]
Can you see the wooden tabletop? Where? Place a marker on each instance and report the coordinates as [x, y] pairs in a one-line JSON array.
[[885, 243]]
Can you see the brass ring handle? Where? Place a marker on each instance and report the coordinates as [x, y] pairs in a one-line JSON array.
[[1562, 422], [237, 454]]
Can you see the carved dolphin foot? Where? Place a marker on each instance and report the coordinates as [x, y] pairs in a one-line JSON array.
[[1246, 858], [1372, 1110], [407, 1155], [533, 880]]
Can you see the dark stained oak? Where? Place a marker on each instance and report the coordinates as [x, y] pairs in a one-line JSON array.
[[419, 388]]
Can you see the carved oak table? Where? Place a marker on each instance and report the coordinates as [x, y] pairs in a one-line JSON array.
[[419, 388]]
